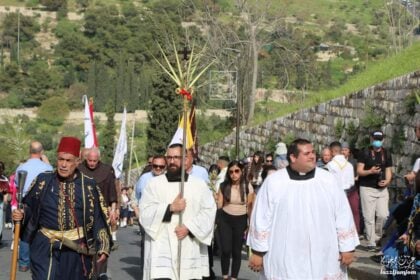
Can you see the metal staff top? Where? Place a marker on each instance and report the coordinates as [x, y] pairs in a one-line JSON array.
[[21, 183]]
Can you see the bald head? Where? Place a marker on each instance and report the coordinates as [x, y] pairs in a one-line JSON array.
[[36, 149], [93, 156]]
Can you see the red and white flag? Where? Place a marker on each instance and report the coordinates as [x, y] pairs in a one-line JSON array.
[[90, 130]]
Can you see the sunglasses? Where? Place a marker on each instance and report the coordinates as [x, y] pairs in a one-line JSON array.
[[156, 166], [269, 160], [237, 171]]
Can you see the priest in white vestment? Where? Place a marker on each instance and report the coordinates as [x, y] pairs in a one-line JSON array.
[[160, 205], [302, 226]]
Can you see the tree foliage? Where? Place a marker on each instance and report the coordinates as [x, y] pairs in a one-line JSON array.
[[107, 141], [53, 111], [164, 110]]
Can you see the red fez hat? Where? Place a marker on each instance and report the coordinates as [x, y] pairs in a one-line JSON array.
[[69, 145]]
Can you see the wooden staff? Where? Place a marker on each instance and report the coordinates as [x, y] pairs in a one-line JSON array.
[[21, 183], [181, 191]]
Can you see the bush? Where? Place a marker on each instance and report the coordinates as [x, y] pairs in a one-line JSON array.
[[53, 111]]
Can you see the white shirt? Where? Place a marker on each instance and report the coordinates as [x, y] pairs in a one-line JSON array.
[[416, 165]]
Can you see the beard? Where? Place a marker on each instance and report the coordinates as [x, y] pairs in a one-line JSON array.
[[173, 170]]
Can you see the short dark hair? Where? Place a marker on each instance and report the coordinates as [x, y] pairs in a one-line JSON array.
[[159, 157], [224, 158], [267, 168], [175, 145], [294, 149], [335, 144], [269, 155]]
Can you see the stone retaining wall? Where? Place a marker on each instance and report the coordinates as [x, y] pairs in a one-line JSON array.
[[319, 123]]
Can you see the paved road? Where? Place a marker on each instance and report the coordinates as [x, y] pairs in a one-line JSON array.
[[123, 263]]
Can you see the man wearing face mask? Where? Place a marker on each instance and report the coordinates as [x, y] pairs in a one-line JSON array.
[[374, 168]]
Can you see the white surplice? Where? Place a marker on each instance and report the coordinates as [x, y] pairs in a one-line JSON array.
[[161, 243], [303, 225]]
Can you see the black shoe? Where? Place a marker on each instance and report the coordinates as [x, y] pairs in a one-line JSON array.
[[103, 277], [377, 258], [373, 249], [114, 247]]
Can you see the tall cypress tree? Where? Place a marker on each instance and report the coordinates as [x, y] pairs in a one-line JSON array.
[[164, 110], [107, 142]]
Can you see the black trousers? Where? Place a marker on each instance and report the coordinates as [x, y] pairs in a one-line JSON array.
[[231, 230]]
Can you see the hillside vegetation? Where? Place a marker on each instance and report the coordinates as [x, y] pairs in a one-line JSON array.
[[55, 51]]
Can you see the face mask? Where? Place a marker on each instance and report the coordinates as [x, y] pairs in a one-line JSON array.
[[377, 143]]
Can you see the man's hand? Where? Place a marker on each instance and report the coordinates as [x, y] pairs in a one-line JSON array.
[[404, 238], [102, 258], [346, 258], [410, 177], [17, 215], [181, 232], [375, 170], [113, 216], [178, 205], [383, 183], [255, 262], [418, 246]]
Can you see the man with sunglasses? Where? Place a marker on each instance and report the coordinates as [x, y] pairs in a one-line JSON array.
[[158, 167], [160, 206]]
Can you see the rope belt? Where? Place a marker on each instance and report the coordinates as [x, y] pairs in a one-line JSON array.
[[58, 235]]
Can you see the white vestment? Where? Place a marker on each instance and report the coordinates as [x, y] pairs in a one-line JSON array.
[[161, 243], [342, 170], [302, 225]]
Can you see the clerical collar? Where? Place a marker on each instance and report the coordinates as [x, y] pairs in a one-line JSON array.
[[294, 175], [175, 177]]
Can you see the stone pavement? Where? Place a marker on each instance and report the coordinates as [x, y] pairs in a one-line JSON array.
[[124, 262]]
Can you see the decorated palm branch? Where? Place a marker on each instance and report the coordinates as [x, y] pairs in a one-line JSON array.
[[185, 77]]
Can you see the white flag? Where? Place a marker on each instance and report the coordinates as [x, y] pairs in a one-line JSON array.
[[90, 133], [121, 149]]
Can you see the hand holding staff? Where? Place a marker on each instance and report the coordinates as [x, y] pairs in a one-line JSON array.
[[17, 218]]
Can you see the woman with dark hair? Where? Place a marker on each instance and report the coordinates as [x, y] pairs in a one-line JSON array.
[[233, 199], [255, 170]]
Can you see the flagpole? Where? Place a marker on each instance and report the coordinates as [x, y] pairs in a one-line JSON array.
[[131, 151]]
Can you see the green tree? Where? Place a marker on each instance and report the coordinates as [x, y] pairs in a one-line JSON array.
[[107, 142], [28, 27], [53, 5], [14, 137], [163, 115], [53, 111]]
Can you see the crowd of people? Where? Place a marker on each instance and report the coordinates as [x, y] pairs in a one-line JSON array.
[[301, 215]]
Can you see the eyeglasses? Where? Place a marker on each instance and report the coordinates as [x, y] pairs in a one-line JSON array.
[[269, 160], [156, 166], [237, 171], [169, 158]]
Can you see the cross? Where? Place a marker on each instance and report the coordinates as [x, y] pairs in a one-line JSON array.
[[185, 52]]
